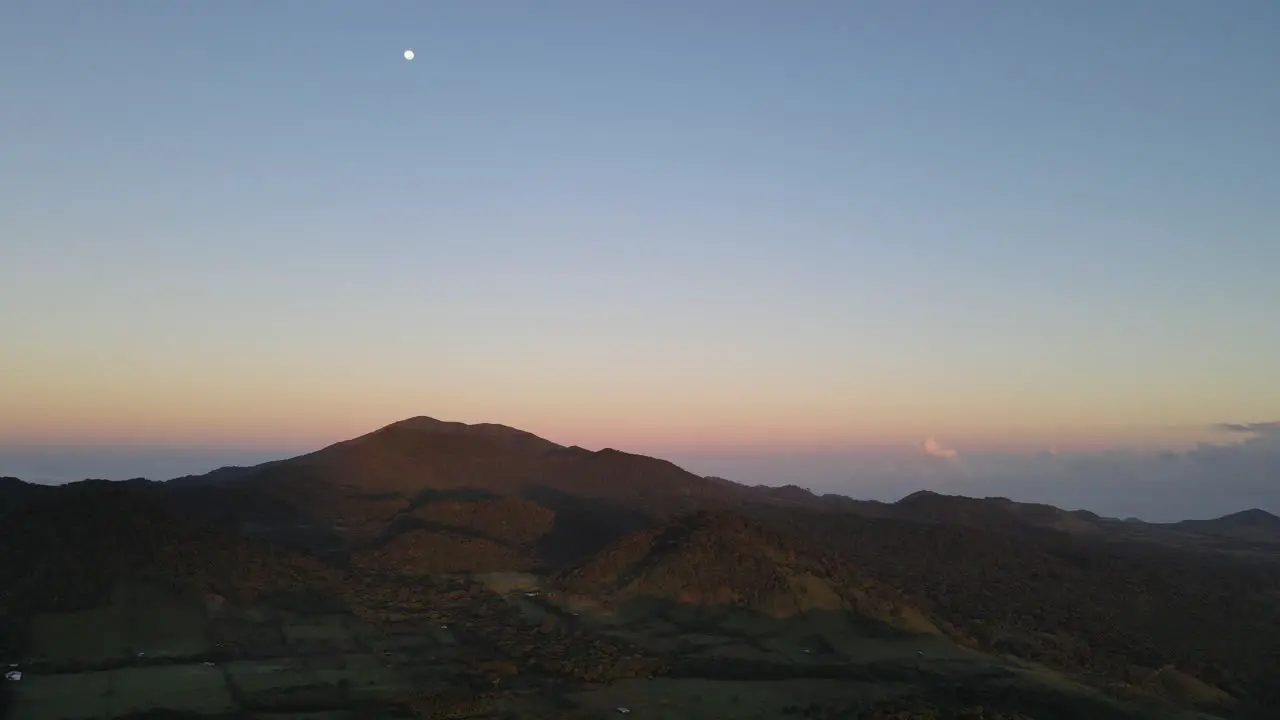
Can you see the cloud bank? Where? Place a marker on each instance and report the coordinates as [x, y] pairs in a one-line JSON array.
[[1208, 481], [1253, 428]]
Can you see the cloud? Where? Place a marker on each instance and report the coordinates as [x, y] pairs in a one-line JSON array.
[[1207, 481], [936, 449], [1255, 428]]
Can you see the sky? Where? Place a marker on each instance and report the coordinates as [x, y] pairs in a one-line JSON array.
[[745, 235]]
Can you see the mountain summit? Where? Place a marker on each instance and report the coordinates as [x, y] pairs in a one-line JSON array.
[[359, 487], [422, 453], [1250, 518]]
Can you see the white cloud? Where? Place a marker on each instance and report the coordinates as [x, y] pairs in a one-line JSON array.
[[936, 449], [1208, 481]]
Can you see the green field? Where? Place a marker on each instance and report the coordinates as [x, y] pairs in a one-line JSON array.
[[299, 683], [58, 697], [87, 637], [201, 689], [138, 620], [191, 688], [145, 625], [111, 693], [319, 715], [681, 699], [146, 650], [163, 624], [819, 637]]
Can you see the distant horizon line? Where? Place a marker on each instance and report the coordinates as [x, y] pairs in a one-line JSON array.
[[60, 482], [1132, 440]]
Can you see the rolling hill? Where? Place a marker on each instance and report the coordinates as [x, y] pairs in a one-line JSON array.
[[1253, 523], [717, 559]]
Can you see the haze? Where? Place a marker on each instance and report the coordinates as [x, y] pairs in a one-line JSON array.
[[780, 242]]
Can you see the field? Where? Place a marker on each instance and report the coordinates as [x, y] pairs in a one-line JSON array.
[[90, 636], [309, 683], [680, 699], [139, 622], [497, 646], [151, 650], [49, 697]]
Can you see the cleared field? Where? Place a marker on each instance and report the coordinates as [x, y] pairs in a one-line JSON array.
[[111, 693], [518, 656], [89, 636], [61, 697], [810, 638], [163, 623], [247, 634], [190, 688], [279, 685], [138, 620], [685, 699], [321, 715], [286, 683]]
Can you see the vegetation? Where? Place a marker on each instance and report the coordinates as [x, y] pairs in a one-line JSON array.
[[1117, 612], [347, 582]]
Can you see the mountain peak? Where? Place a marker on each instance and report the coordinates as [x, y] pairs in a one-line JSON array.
[[1255, 519], [922, 496], [1251, 518], [358, 483], [419, 422], [423, 425]]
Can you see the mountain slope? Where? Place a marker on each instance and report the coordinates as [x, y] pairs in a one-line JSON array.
[[995, 513], [67, 548], [360, 486], [422, 453], [1117, 610], [718, 558], [1252, 533], [1248, 522]]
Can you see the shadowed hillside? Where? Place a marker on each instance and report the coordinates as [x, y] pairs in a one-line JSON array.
[[361, 486], [1252, 534], [1121, 611], [723, 559], [419, 454], [782, 583], [66, 549], [1249, 523]]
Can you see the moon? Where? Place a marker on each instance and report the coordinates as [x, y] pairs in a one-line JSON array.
[[408, 54]]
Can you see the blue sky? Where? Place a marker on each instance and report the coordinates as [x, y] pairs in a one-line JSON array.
[[675, 227]]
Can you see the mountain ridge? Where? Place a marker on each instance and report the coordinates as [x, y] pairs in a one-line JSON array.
[[391, 511]]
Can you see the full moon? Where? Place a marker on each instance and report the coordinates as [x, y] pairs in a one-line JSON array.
[[408, 54]]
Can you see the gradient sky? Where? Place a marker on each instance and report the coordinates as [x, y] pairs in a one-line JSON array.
[[688, 227]]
